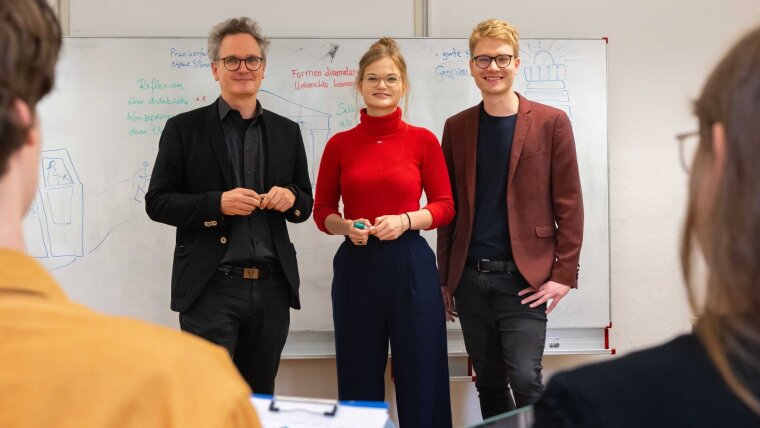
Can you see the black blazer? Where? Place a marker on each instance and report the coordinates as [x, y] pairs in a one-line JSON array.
[[672, 385], [191, 173]]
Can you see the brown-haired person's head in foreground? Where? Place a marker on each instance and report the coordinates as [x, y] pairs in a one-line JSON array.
[[723, 218], [30, 39]]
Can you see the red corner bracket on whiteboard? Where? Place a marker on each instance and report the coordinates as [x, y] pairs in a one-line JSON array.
[[607, 339]]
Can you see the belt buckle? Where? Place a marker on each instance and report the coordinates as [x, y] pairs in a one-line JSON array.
[[483, 269], [251, 273]]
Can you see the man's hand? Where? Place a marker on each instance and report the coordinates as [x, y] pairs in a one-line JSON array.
[[240, 201], [278, 198], [551, 290], [448, 303]]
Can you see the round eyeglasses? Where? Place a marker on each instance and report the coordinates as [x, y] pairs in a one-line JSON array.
[[484, 61], [252, 63], [389, 80]]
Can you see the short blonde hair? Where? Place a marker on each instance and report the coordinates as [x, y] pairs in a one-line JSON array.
[[495, 29]]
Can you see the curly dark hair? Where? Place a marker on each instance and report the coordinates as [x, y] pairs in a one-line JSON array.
[[30, 39]]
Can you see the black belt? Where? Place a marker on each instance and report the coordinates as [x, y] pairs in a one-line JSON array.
[[497, 266], [257, 271]]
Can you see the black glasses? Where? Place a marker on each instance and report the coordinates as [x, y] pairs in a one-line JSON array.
[[484, 61], [232, 63], [688, 142]]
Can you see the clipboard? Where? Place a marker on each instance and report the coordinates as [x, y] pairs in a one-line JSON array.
[[294, 404], [301, 412]]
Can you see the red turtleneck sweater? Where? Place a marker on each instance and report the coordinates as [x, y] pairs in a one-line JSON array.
[[380, 167]]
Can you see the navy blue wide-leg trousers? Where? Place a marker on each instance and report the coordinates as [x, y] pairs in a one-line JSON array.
[[389, 290]]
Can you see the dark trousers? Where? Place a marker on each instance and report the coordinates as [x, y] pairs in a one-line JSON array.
[[248, 317], [504, 339], [389, 290]]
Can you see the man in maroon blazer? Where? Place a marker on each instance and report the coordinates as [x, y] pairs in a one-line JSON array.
[[514, 245]]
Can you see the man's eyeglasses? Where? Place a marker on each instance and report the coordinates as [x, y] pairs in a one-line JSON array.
[[390, 80], [232, 63], [688, 142], [484, 61]]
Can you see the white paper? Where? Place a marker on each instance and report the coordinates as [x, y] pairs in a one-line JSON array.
[[303, 414]]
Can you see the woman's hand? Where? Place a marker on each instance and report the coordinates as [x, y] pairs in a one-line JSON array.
[[389, 227], [356, 235]]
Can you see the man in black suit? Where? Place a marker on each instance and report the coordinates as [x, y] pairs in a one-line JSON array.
[[228, 176]]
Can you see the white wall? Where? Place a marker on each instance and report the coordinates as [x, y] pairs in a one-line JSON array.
[[659, 54], [279, 18]]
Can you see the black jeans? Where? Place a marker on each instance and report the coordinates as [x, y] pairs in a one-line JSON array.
[[250, 318], [504, 339]]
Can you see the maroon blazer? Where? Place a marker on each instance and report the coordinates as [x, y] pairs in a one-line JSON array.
[[544, 199]]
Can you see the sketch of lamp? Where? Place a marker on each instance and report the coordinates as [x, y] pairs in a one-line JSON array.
[[54, 223], [546, 81]]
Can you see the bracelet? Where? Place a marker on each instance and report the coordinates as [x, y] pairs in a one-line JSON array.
[[409, 219]]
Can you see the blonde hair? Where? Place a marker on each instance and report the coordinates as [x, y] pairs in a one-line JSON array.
[[729, 321], [495, 29], [385, 47]]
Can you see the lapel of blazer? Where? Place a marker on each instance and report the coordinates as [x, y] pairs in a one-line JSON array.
[[470, 138], [215, 136], [521, 133]]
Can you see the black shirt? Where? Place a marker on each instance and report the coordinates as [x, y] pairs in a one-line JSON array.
[[250, 237], [490, 230]]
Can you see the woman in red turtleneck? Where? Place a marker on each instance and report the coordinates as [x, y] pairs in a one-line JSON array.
[[385, 283]]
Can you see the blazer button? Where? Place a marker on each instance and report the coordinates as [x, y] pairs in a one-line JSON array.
[[223, 240], [297, 213], [207, 223]]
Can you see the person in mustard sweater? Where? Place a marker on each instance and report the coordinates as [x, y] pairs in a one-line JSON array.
[[385, 284], [64, 365]]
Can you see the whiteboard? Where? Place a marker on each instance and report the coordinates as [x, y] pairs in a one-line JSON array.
[[101, 126]]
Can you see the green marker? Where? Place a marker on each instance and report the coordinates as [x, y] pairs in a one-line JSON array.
[[359, 225]]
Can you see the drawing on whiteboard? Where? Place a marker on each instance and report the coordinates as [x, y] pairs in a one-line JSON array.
[[545, 79], [140, 180], [55, 177], [54, 226], [333, 51], [315, 126], [54, 223]]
